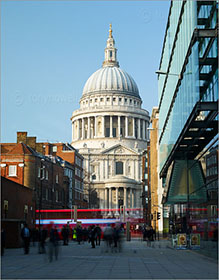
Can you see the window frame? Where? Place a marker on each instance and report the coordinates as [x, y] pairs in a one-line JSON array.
[[14, 169]]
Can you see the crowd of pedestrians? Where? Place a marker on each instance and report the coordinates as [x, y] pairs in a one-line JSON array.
[[149, 234], [51, 237]]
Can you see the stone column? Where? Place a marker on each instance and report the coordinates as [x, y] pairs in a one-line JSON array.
[[103, 126], [131, 205], [144, 130], [95, 125], [88, 127], [106, 169], [117, 199], [119, 126], [133, 198], [82, 129], [72, 131], [139, 129], [125, 197], [78, 129], [110, 199], [103, 174], [111, 126], [101, 196], [126, 127], [134, 170], [133, 127], [105, 198]]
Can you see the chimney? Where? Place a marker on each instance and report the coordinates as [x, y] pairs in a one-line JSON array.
[[31, 142], [22, 137]]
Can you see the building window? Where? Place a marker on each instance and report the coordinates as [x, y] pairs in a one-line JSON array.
[[119, 167], [114, 99], [120, 99], [108, 99], [57, 178], [107, 134], [114, 131], [101, 99], [54, 149], [125, 100], [12, 170]]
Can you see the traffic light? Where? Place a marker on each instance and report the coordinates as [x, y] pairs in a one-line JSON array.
[[158, 215]]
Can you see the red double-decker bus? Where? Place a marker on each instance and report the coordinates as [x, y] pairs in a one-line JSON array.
[[88, 217]]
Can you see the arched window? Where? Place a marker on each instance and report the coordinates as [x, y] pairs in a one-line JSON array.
[[119, 167]]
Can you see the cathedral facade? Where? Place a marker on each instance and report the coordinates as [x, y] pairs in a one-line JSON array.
[[110, 131]]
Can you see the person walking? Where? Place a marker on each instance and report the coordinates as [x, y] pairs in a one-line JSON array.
[[43, 233], [92, 236], [98, 234], [53, 243], [108, 236], [64, 233], [25, 235], [79, 234]]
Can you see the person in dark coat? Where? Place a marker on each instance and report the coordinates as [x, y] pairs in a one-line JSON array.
[[93, 236], [98, 234], [43, 233], [79, 234], [65, 233], [25, 235], [53, 243]]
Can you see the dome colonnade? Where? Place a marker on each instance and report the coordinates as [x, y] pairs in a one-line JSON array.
[[112, 125]]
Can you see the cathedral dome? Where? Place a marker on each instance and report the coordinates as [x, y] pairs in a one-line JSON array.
[[111, 79]]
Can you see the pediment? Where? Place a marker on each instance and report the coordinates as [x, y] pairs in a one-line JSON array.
[[119, 150]]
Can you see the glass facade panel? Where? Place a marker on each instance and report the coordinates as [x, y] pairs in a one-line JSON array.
[[176, 104], [176, 61]]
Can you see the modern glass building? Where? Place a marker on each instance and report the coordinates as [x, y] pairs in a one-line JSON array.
[[188, 105]]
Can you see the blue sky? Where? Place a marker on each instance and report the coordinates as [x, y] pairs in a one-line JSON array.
[[50, 48]]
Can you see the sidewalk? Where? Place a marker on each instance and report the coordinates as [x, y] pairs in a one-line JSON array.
[[136, 261]]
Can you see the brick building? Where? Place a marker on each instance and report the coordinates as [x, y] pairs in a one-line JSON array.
[[17, 207], [44, 175], [62, 165], [73, 166]]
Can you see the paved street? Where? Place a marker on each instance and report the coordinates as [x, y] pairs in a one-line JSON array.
[[136, 261]]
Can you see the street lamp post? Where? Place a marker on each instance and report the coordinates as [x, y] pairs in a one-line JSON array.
[[42, 177]]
